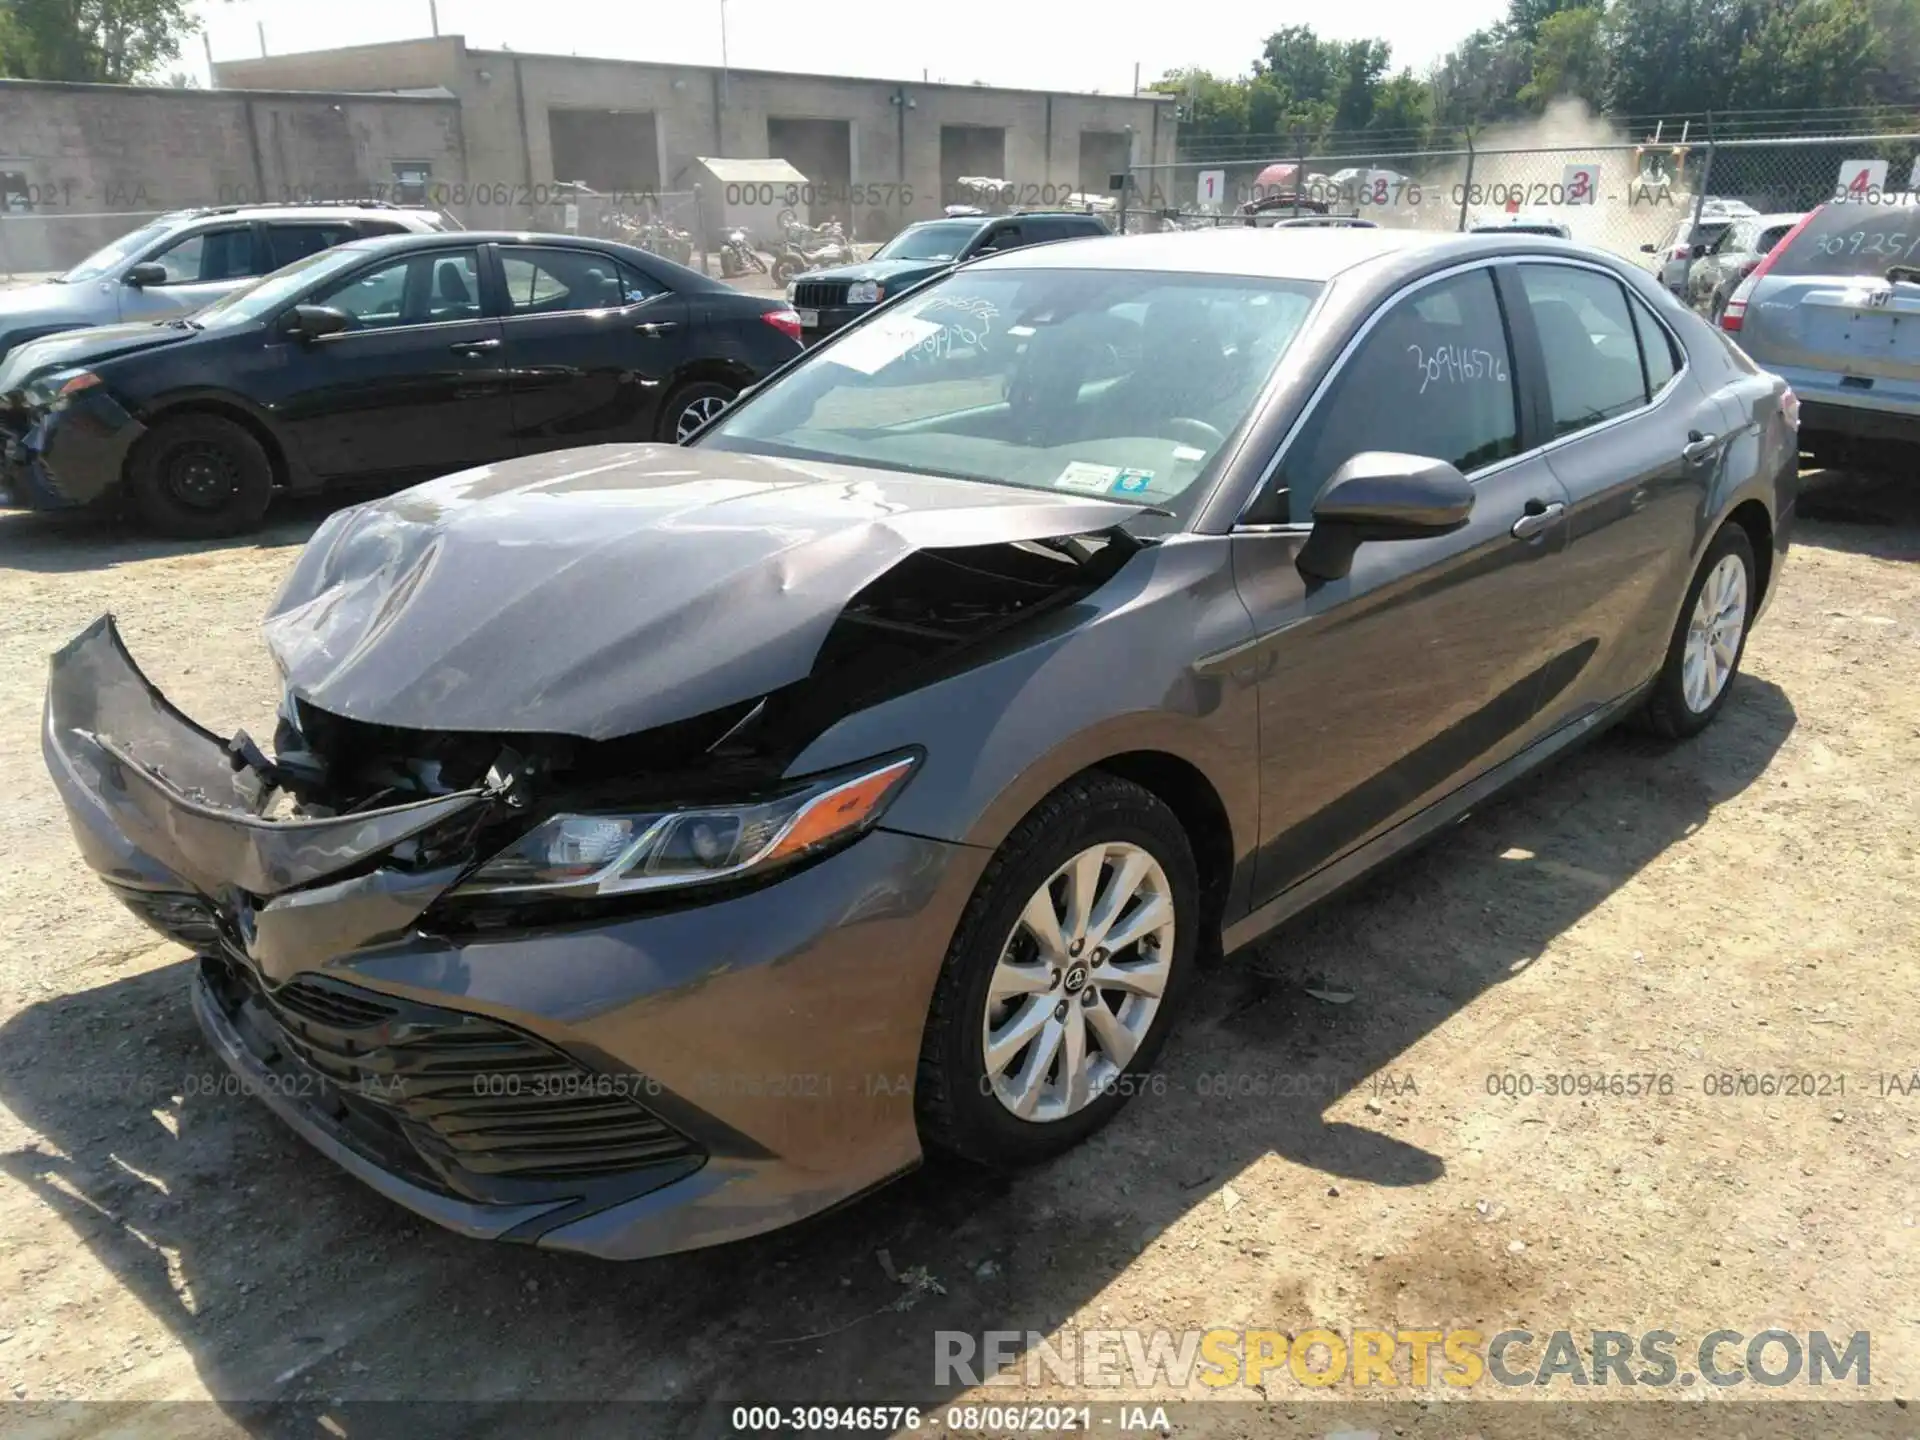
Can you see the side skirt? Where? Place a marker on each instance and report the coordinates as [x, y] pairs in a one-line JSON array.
[[1452, 809]]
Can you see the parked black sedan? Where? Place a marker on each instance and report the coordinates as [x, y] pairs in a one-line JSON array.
[[661, 843], [385, 361]]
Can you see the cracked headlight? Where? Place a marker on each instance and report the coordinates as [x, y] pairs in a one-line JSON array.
[[616, 854], [865, 292]]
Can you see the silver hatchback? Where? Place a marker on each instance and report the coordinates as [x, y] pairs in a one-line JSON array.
[[1834, 308]]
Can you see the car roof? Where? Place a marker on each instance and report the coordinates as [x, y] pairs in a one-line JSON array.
[[684, 278], [1296, 253], [345, 210]]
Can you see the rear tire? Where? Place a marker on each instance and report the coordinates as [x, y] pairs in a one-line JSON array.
[[692, 406], [199, 477], [1708, 641], [784, 269], [999, 975]]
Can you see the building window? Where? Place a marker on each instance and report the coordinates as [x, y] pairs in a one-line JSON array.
[[614, 152], [16, 196], [410, 181]]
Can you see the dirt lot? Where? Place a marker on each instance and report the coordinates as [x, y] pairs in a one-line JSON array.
[[1746, 903]]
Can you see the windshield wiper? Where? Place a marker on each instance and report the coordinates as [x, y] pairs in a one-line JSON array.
[[183, 322], [1904, 274]]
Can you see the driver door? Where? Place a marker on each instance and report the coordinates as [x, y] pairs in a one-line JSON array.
[[1426, 665]]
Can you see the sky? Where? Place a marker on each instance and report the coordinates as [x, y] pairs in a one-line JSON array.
[[1037, 44]]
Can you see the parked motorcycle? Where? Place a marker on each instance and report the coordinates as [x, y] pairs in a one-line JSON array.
[[738, 257], [805, 248]]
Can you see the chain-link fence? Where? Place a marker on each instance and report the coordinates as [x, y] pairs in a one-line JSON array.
[[1657, 204]]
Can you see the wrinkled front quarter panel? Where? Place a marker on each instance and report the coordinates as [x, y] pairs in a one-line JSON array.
[[1120, 674]]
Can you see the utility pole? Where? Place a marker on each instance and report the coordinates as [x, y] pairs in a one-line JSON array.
[[723, 52], [433, 14], [206, 44], [260, 28], [1136, 79]]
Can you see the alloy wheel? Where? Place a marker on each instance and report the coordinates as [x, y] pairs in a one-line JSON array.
[[696, 414], [1714, 634], [1078, 982]]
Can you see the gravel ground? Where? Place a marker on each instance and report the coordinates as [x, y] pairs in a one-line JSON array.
[[1744, 903]]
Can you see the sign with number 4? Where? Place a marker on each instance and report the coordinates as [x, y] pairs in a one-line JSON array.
[[1213, 187], [1861, 180], [1582, 184]]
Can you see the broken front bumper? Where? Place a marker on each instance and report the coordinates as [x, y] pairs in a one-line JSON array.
[[650, 1083], [71, 454]]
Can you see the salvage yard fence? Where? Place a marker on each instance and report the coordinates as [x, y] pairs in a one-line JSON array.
[[1622, 198]]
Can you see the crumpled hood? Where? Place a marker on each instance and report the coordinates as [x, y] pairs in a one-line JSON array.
[[90, 346], [604, 591]]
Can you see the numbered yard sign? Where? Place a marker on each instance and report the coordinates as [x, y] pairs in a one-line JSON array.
[[1582, 184], [1213, 186], [1861, 180]]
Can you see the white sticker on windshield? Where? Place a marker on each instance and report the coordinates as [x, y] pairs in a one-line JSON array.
[[1084, 475], [876, 345]]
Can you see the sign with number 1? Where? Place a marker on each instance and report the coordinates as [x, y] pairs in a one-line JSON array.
[[1213, 186]]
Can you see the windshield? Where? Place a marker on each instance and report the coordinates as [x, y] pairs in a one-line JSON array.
[[270, 292], [109, 258], [1853, 237], [929, 242], [1112, 382]]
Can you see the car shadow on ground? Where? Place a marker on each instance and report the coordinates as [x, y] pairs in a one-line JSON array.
[[1863, 513], [64, 541], [286, 1280]]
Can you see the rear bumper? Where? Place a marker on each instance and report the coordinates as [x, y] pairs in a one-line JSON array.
[[68, 455], [620, 1086], [1824, 418]]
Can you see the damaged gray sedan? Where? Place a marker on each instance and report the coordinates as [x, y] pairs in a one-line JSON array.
[[661, 844]]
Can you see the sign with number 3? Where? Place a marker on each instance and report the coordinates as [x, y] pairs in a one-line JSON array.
[[1582, 184]]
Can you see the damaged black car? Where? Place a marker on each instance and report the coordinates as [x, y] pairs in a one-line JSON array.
[[663, 843]]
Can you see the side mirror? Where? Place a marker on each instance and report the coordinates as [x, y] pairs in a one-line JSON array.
[[141, 276], [1649, 249], [1382, 495], [1697, 251], [310, 322]]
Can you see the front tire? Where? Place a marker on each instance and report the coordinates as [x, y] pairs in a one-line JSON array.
[[784, 269], [200, 477], [1063, 977], [1708, 640]]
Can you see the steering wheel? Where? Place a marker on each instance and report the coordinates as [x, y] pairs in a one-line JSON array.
[[1208, 436]]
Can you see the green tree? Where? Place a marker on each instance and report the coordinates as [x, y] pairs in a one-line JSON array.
[[1568, 59], [1525, 17], [111, 41]]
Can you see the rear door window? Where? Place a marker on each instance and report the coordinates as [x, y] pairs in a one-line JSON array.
[[550, 281], [1656, 348], [1588, 340], [1853, 237], [287, 243]]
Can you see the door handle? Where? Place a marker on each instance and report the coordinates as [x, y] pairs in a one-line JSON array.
[[657, 327], [474, 347], [1538, 519], [1699, 447]]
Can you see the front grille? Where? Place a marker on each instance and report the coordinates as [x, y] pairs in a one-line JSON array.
[[478, 1101], [819, 294]]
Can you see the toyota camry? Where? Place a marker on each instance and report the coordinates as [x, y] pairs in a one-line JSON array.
[[661, 843]]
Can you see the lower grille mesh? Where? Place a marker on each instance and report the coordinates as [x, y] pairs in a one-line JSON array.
[[475, 1098]]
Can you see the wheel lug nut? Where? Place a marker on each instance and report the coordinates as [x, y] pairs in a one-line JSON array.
[[1054, 983], [1099, 958], [1060, 1011], [1086, 996], [1075, 947]]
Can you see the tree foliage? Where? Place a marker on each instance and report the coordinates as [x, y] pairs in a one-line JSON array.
[[111, 41], [1633, 59]]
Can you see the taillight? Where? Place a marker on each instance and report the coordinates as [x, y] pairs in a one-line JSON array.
[[1681, 252], [787, 322], [1790, 407], [1735, 315]]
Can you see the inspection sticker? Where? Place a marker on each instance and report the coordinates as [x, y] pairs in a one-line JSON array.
[[1132, 482], [1085, 475]]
